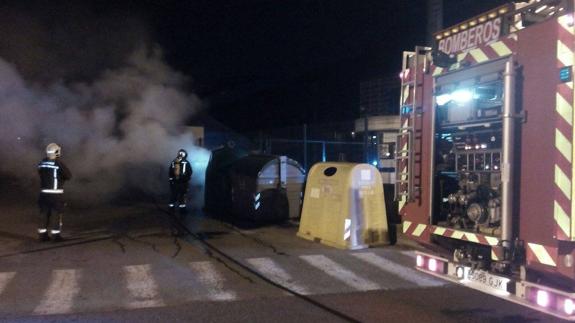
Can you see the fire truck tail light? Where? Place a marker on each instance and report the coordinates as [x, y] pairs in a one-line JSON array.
[[569, 306], [556, 302], [543, 298], [460, 272], [432, 264], [429, 263], [420, 261]]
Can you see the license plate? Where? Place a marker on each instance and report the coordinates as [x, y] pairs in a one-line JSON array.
[[486, 279]]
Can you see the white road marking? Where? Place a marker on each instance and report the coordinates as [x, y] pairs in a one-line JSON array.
[[60, 295], [142, 287], [209, 276], [402, 272], [5, 278], [272, 271], [340, 273]]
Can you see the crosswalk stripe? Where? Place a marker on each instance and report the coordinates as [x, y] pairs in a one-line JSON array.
[[404, 273], [274, 272], [142, 287], [60, 295], [209, 276], [5, 278], [340, 273]]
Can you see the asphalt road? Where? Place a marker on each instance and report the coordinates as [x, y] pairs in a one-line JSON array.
[[120, 263]]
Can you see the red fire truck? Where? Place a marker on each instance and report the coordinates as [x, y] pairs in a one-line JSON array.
[[485, 158]]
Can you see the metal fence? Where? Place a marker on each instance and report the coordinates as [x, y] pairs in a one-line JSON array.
[[319, 143]]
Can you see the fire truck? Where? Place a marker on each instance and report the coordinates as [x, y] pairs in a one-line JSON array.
[[485, 157]]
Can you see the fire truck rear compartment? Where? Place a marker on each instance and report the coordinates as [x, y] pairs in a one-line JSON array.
[[468, 151]]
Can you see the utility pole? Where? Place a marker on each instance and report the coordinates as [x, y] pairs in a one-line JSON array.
[[305, 147], [365, 135]]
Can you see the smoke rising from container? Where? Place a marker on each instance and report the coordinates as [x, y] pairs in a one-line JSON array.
[[87, 76], [117, 133]]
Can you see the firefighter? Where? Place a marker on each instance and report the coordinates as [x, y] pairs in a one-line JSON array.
[[53, 173], [180, 174]]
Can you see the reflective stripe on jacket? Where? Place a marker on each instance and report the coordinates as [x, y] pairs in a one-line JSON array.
[[52, 173]]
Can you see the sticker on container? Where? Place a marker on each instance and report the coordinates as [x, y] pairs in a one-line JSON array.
[[314, 192], [366, 175]]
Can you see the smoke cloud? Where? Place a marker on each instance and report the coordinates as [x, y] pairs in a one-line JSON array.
[[118, 132], [120, 120]]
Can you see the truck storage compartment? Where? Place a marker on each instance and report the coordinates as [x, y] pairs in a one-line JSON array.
[[468, 148]]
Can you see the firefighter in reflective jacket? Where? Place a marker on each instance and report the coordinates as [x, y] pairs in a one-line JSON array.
[[180, 174], [53, 173]]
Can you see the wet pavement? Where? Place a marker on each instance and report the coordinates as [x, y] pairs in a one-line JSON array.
[[120, 262]]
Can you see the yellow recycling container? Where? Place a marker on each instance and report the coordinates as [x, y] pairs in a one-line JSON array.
[[344, 206]]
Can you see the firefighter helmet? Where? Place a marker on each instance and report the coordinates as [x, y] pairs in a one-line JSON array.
[[53, 150], [182, 154]]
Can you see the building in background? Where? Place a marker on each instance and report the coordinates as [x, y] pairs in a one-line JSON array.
[[379, 96], [434, 19], [379, 107]]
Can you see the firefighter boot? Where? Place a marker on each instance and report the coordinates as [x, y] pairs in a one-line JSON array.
[[57, 237]]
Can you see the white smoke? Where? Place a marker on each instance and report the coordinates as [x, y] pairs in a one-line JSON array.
[[117, 132]]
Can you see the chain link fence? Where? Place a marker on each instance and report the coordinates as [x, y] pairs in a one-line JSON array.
[[310, 144]]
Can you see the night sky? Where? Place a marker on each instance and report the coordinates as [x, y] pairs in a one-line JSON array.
[[273, 63], [255, 63], [269, 63]]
